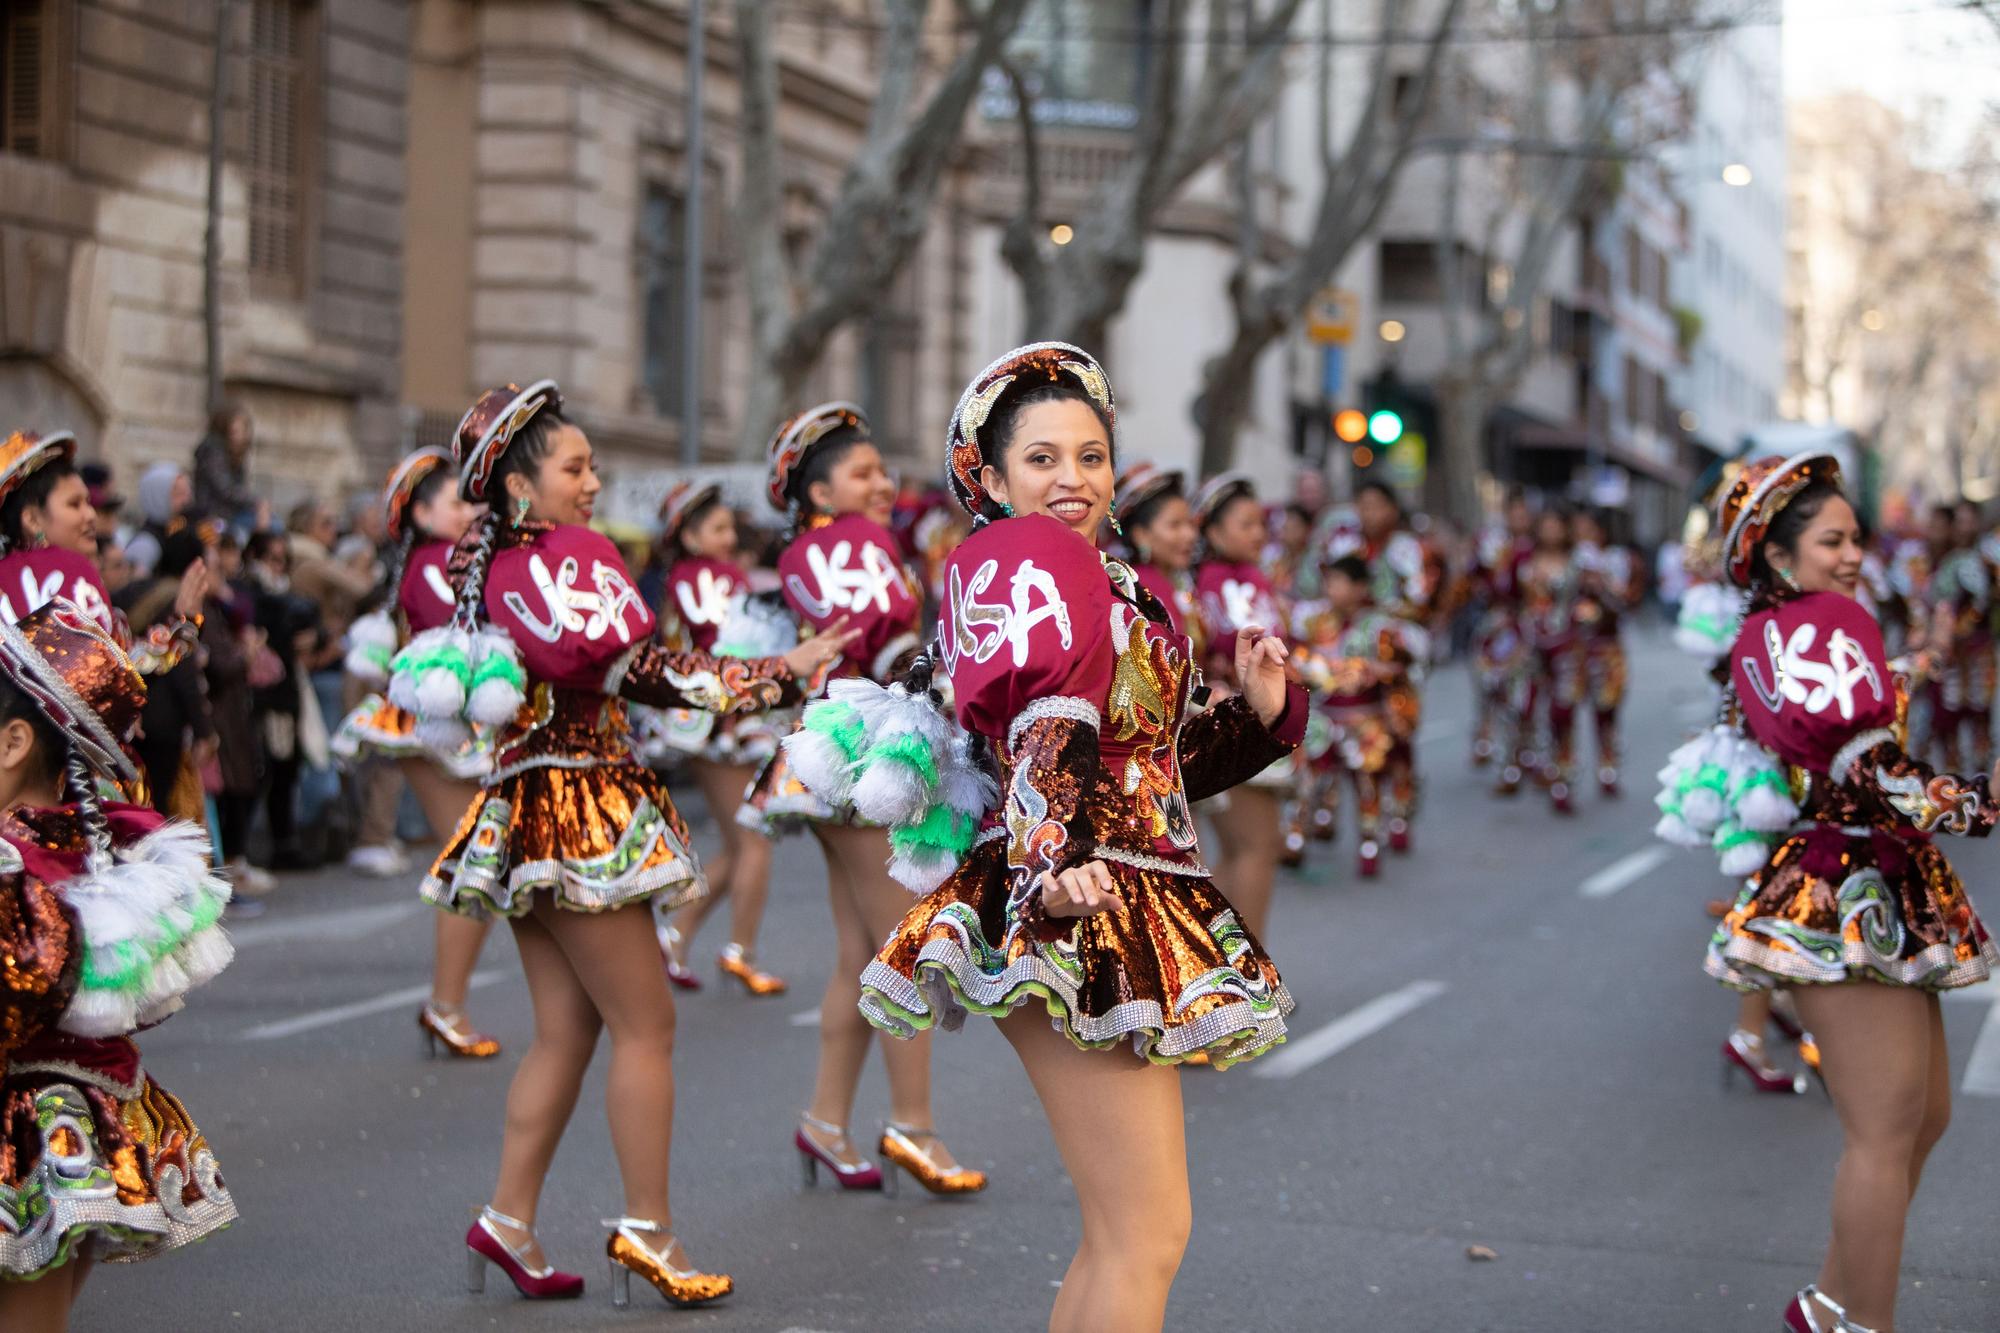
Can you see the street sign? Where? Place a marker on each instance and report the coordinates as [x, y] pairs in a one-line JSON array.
[[1330, 317]]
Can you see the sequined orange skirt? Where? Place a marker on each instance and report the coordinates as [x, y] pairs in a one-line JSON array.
[[1176, 975], [378, 727], [1835, 905], [596, 838], [125, 1171]]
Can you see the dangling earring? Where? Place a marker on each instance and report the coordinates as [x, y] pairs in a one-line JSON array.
[[1116, 526], [1785, 577], [41, 540], [1006, 509], [520, 510]]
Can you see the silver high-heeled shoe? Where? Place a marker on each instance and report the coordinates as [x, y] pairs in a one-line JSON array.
[[1800, 1316]]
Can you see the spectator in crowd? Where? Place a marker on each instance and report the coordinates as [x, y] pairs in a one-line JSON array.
[[222, 471], [165, 496], [236, 661], [113, 565], [291, 627]]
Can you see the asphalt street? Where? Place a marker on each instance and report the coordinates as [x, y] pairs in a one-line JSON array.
[[1505, 1041]]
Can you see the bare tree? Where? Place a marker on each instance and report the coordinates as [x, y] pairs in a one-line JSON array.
[[1540, 151], [884, 202], [1074, 291], [1355, 185]]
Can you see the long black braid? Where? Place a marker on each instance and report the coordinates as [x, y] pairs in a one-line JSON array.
[[82, 791], [471, 608]]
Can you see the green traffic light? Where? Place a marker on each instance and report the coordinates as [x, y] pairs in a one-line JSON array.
[[1385, 427]]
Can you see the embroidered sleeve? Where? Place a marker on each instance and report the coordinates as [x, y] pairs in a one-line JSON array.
[[1228, 745], [1054, 748], [35, 949], [661, 678], [1888, 782]]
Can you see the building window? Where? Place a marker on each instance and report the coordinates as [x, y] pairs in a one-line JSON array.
[[34, 76], [662, 229], [278, 67]]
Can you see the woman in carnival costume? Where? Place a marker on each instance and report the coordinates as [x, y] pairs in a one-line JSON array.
[[1151, 506], [1354, 655], [48, 549], [572, 839], [1854, 908], [109, 915], [425, 517], [1693, 806], [705, 608], [1235, 595], [1406, 577], [1078, 912], [1610, 582], [1550, 587], [827, 477]]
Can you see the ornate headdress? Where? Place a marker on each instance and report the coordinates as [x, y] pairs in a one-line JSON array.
[[1143, 483], [485, 431], [794, 442], [1218, 491], [683, 499], [1757, 496], [403, 483], [1031, 367], [81, 680]]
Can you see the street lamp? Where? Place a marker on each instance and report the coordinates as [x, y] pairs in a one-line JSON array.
[[1737, 174], [1874, 320], [1392, 330], [1062, 233]]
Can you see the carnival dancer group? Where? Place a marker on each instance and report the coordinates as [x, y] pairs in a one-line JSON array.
[[1002, 719]]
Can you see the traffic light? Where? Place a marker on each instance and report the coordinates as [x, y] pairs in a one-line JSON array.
[[1385, 425], [1351, 426]]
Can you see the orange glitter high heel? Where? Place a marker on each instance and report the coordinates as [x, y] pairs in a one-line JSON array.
[[448, 1028], [735, 961], [628, 1254], [899, 1151]]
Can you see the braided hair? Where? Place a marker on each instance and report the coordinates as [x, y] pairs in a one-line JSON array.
[[55, 760]]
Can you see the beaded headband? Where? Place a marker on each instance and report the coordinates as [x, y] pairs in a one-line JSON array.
[[1756, 498], [491, 424], [1024, 368], [794, 442]]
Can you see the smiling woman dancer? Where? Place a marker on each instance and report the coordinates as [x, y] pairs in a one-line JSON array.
[[827, 477], [572, 839], [1083, 898], [1856, 912]]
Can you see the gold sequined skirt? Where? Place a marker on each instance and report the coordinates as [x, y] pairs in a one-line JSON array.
[[1176, 975], [377, 727], [1833, 905], [125, 1171], [596, 838], [777, 803]]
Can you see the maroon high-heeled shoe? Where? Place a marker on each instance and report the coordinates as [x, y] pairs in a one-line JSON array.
[[1399, 835], [1740, 1054], [484, 1246], [1368, 863], [680, 974], [862, 1175]]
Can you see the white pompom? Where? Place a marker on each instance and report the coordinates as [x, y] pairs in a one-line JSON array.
[[438, 694], [968, 789], [890, 792], [921, 870], [1703, 807], [1745, 858], [1766, 809], [494, 702], [371, 642], [1672, 828], [821, 765], [100, 1013], [204, 954], [443, 735]]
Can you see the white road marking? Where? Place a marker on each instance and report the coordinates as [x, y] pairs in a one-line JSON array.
[[1982, 1070], [395, 999], [1295, 1057], [353, 923], [807, 1019], [1624, 870]]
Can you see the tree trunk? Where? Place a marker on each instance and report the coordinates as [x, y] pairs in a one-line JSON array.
[[1463, 405]]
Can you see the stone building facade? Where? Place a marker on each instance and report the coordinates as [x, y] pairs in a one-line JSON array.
[[104, 212]]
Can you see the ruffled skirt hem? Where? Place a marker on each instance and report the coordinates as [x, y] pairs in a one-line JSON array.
[[378, 727], [597, 839], [159, 1190]]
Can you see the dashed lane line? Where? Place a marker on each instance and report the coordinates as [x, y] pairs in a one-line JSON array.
[[1624, 870], [351, 923], [1358, 1024], [341, 1013]]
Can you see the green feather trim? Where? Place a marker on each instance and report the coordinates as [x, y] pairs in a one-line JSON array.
[[1762, 777], [123, 966], [500, 666], [436, 659], [942, 829], [839, 723], [1728, 837], [908, 749]]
